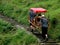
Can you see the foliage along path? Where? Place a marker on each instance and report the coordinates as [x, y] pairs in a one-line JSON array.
[[18, 25]]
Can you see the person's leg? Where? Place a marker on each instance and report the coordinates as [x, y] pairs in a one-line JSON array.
[[46, 32], [31, 27], [43, 32]]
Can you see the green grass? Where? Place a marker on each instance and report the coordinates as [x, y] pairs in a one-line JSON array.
[[20, 37], [11, 36], [19, 10], [6, 27]]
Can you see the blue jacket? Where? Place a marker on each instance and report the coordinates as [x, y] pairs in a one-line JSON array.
[[32, 15], [44, 22]]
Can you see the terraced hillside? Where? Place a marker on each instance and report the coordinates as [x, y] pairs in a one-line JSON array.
[[19, 10], [9, 35]]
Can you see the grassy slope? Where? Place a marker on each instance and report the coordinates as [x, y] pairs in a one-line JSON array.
[[18, 10], [8, 36], [5, 27]]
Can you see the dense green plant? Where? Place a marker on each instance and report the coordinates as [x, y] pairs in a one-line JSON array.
[[20, 37], [5, 27], [19, 10]]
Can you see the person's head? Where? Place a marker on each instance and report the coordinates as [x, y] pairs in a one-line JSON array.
[[43, 16], [39, 14]]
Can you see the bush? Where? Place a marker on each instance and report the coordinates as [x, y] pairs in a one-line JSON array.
[[5, 27]]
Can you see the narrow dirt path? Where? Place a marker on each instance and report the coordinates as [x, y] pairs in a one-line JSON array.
[[18, 25], [12, 21], [15, 23]]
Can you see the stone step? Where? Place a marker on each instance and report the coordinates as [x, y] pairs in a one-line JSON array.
[[50, 43]]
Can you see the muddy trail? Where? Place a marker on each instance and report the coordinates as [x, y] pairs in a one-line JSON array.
[[18, 25]]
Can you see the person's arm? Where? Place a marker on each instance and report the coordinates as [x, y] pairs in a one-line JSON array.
[[41, 22]]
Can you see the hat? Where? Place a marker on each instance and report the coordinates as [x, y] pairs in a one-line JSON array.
[[43, 15]]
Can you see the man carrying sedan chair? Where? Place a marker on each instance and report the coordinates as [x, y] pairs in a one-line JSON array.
[[32, 19], [35, 24], [44, 26]]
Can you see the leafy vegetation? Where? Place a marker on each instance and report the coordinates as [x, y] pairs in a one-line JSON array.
[[11, 36], [6, 27], [19, 10]]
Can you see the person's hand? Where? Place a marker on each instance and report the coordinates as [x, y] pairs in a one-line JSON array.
[[34, 19]]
